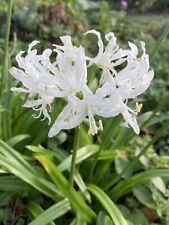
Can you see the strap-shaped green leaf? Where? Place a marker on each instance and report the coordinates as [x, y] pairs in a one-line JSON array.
[[108, 204], [13, 184], [16, 139], [82, 154], [103, 219], [14, 162], [43, 217], [77, 202], [124, 187]]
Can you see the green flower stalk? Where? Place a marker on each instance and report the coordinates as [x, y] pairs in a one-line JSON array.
[[74, 153], [4, 81]]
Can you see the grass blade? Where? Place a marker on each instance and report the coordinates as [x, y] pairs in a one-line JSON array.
[[14, 162], [50, 214], [82, 186], [13, 184], [125, 186], [7, 33], [108, 204], [82, 154], [158, 134], [35, 210], [61, 182], [16, 139], [37, 182], [159, 43]]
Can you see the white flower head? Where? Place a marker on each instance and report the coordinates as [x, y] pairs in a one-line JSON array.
[[34, 76], [124, 75]]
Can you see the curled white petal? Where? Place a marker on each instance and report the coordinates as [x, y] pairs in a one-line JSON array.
[[131, 120], [100, 45], [20, 60], [47, 53], [42, 104], [67, 44], [31, 45], [134, 50]]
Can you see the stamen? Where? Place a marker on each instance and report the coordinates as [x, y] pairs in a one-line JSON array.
[[100, 125], [40, 112], [138, 108], [93, 129]]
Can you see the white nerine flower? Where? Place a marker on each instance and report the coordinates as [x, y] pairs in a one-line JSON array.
[[111, 56], [35, 78], [66, 77], [135, 78], [46, 80]]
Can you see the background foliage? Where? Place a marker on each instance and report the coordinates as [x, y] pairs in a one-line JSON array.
[[121, 178]]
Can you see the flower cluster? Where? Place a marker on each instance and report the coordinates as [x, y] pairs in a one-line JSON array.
[[67, 78]]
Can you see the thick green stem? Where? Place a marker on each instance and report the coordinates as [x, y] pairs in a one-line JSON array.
[[5, 120], [73, 162], [7, 33]]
